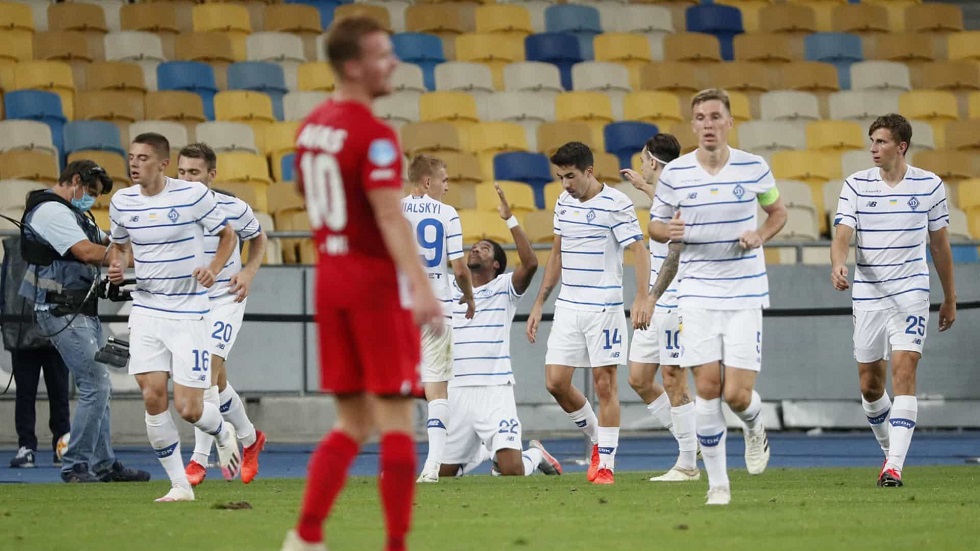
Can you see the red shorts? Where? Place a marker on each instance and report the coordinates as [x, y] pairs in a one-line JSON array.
[[374, 351]]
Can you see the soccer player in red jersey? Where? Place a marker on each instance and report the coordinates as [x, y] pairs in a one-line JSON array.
[[371, 292]]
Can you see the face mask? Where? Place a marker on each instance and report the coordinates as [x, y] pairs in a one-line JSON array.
[[84, 203]]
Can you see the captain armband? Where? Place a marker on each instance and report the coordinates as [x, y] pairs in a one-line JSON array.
[[769, 197]]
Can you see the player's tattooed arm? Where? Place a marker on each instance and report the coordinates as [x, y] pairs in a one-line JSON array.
[[668, 270]]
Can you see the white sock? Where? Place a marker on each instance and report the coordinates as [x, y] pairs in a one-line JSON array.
[[751, 415], [436, 428], [711, 432], [685, 432], [165, 441], [532, 458], [233, 411], [608, 441], [904, 412], [660, 410], [210, 421], [877, 413], [202, 440], [586, 420]]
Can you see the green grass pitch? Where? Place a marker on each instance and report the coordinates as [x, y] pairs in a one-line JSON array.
[[783, 509]]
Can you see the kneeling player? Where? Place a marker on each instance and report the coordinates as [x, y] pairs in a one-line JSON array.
[[484, 413]]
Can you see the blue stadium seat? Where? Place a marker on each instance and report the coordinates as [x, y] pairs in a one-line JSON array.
[[325, 7], [839, 49], [962, 254], [286, 165], [576, 19], [190, 76], [424, 50], [260, 76], [625, 139], [533, 169], [559, 49], [97, 135], [41, 106], [722, 21]]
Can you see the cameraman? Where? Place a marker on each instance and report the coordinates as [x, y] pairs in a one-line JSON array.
[[61, 244]]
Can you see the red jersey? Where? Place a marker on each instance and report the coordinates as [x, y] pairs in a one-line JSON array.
[[342, 152]]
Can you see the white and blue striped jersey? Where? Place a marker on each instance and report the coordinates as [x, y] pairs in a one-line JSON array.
[[439, 237], [715, 272], [167, 232], [246, 226], [593, 236], [658, 253], [481, 346], [891, 227]]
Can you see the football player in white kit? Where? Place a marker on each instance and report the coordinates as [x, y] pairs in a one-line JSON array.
[[440, 238], [658, 346], [198, 163], [893, 209], [160, 224], [594, 223], [710, 198], [484, 420]]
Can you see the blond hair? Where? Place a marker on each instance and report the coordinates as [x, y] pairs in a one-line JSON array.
[[709, 95], [424, 165]]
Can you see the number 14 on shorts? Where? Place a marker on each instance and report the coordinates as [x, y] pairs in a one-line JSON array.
[[612, 338]]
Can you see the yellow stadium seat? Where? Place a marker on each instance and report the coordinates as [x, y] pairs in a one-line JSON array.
[[430, 137], [29, 164], [461, 195], [631, 50], [896, 11], [934, 17], [68, 46], [492, 49], [951, 166], [278, 140], [606, 167], [964, 45], [552, 192], [160, 18], [299, 19], [969, 194], [768, 48], [692, 48], [552, 135], [935, 107], [860, 19], [539, 225], [504, 19], [244, 106], [85, 18], [175, 105], [230, 20], [480, 224], [374, 12], [520, 197], [15, 46], [462, 167], [121, 76], [747, 77], [685, 135], [963, 135], [593, 108], [447, 21], [750, 11], [676, 77], [448, 106], [815, 168], [16, 16], [962, 75], [283, 196], [787, 18], [808, 76], [255, 194], [909, 48], [489, 138], [315, 76], [209, 47], [836, 136], [743, 109], [102, 220], [115, 106], [240, 166], [655, 107], [53, 76], [973, 110]]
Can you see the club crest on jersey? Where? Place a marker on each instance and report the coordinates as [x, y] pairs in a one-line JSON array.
[[173, 215], [590, 216], [382, 152], [739, 191], [914, 203]]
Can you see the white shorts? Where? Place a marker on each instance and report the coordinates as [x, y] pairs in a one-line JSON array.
[[732, 336], [481, 416], [178, 346], [587, 339], [437, 355], [224, 323], [659, 341], [878, 332]]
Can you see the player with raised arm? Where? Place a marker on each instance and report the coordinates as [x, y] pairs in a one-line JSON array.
[[484, 419], [709, 197], [659, 345], [439, 237], [893, 209], [198, 163], [160, 224], [369, 278], [594, 223]]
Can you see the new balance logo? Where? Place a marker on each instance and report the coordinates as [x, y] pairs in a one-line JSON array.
[[435, 424], [581, 424], [906, 423], [225, 407], [872, 204]]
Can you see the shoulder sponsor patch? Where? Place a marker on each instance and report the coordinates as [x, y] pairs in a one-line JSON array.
[[382, 152]]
